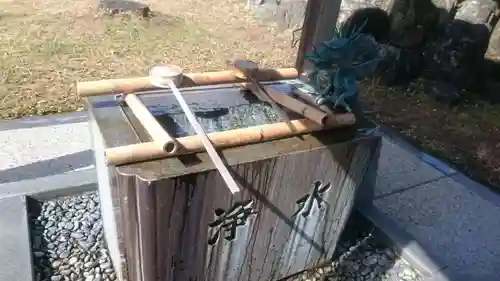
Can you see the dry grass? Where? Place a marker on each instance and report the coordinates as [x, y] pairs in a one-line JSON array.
[[46, 46], [468, 135]]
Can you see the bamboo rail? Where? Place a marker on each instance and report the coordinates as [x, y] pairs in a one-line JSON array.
[[238, 137], [163, 145], [129, 85], [308, 111], [159, 135]]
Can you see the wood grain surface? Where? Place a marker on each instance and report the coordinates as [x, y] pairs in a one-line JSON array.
[[167, 222]]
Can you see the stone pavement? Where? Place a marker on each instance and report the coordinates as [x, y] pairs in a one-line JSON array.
[[42, 146], [452, 217], [15, 253]]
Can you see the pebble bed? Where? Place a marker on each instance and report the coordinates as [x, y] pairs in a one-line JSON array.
[[365, 261], [363, 256], [67, 241], [68, 245]]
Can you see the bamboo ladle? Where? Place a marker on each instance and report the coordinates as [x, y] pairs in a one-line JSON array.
[[165, 77]]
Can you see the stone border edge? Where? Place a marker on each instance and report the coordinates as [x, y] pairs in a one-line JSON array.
[[40, 121], [480, 189], [49, 187], [25, 222], [432, 267]]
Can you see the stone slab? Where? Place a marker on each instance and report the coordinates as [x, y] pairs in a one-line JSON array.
[[400, 169], [486, 193], [40, 151], [15, 249], [453, 222], [405, 143], [51, 186], [38, 121], [405, 245]]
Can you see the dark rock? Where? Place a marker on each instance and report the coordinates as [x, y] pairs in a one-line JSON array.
[[442, 92], [490, 91], [37, 242], [397, 66], [373, 21], [455, 57], [113, 7], [413, 22], [38, 254]]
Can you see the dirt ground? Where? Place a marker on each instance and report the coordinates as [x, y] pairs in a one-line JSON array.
[[466, 136], [48, 45]]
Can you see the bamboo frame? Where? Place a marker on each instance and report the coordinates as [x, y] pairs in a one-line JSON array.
[[312, 102], [192, 144], [129, 85], [159, 135], [163, 145], [221, 167], [246, 69], [308, 111]]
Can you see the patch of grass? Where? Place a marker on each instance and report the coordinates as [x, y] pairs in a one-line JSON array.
[[46, 46]]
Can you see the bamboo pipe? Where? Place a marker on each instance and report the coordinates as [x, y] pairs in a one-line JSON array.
[[312, 101], [294, 105], [170, 77], [247, 70], [159, 135], [105, 87], [202, 136], [238, 137]]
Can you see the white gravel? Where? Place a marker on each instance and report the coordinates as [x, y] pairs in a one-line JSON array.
[[67, 241], [362, 256], [68, 245]]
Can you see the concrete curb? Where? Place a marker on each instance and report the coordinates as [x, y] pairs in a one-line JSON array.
[[400, 140], [39, 121], [432, 267], [16, 257], [478, 188], [14, 198], [52, 186], [482, 191]]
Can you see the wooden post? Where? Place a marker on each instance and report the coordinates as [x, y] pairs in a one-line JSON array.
[[320, 21]]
